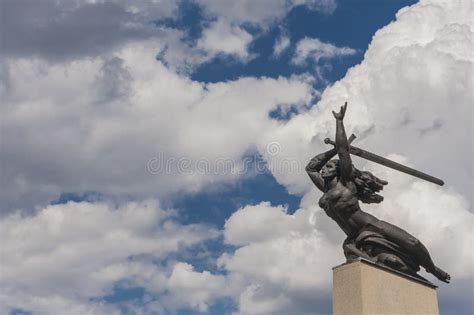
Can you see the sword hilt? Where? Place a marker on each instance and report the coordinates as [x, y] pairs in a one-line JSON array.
[[329, 141]]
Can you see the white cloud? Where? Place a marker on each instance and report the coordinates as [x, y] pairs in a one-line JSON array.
[[281, 44], [223, 38], [254, 301], [314, 49], [95, 123], [53, 305], [285, 260], [57, 260], [195, 290], [261, 13], [226, 35], [267, 221]]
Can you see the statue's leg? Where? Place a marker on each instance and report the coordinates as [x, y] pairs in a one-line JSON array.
[[413, 247]]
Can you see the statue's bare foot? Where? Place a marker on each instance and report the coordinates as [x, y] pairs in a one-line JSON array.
[[441, 274]]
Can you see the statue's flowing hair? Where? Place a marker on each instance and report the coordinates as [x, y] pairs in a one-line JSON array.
[[368, 185]]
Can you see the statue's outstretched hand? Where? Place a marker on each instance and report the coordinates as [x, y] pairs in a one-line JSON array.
[[341, 113]]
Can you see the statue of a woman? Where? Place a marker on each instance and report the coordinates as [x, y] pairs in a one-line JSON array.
[[368, 237]]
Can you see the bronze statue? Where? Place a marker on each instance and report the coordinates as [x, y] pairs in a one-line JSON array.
[[343, 186]]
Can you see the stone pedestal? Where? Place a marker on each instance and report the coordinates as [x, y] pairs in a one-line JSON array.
[[363, 288]]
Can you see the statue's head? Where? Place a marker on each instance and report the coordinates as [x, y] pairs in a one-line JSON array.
[[330, 169], [366, 183]]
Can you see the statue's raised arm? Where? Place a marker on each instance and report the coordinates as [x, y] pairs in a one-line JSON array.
[[342, 146]]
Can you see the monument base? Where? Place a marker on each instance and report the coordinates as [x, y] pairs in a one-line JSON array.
[[363, 287]]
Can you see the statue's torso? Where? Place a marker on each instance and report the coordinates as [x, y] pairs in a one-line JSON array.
[[340, 203]]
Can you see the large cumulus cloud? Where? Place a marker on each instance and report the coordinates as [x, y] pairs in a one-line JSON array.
[[411, 95], [96, 123], [67, 257]]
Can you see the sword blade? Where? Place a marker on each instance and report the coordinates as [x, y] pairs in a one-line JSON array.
[[389, 163], [394, 165]]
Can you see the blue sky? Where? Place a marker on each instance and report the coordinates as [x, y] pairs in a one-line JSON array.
[[96, 95], [348, 25]]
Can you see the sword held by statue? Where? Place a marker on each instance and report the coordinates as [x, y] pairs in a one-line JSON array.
[[386, 162]]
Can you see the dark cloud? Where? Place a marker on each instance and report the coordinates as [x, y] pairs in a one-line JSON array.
[[60, 30], [65, 29], [436, 125], [113, 81]]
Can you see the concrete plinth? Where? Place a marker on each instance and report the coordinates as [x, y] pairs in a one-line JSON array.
[[363, 288]]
